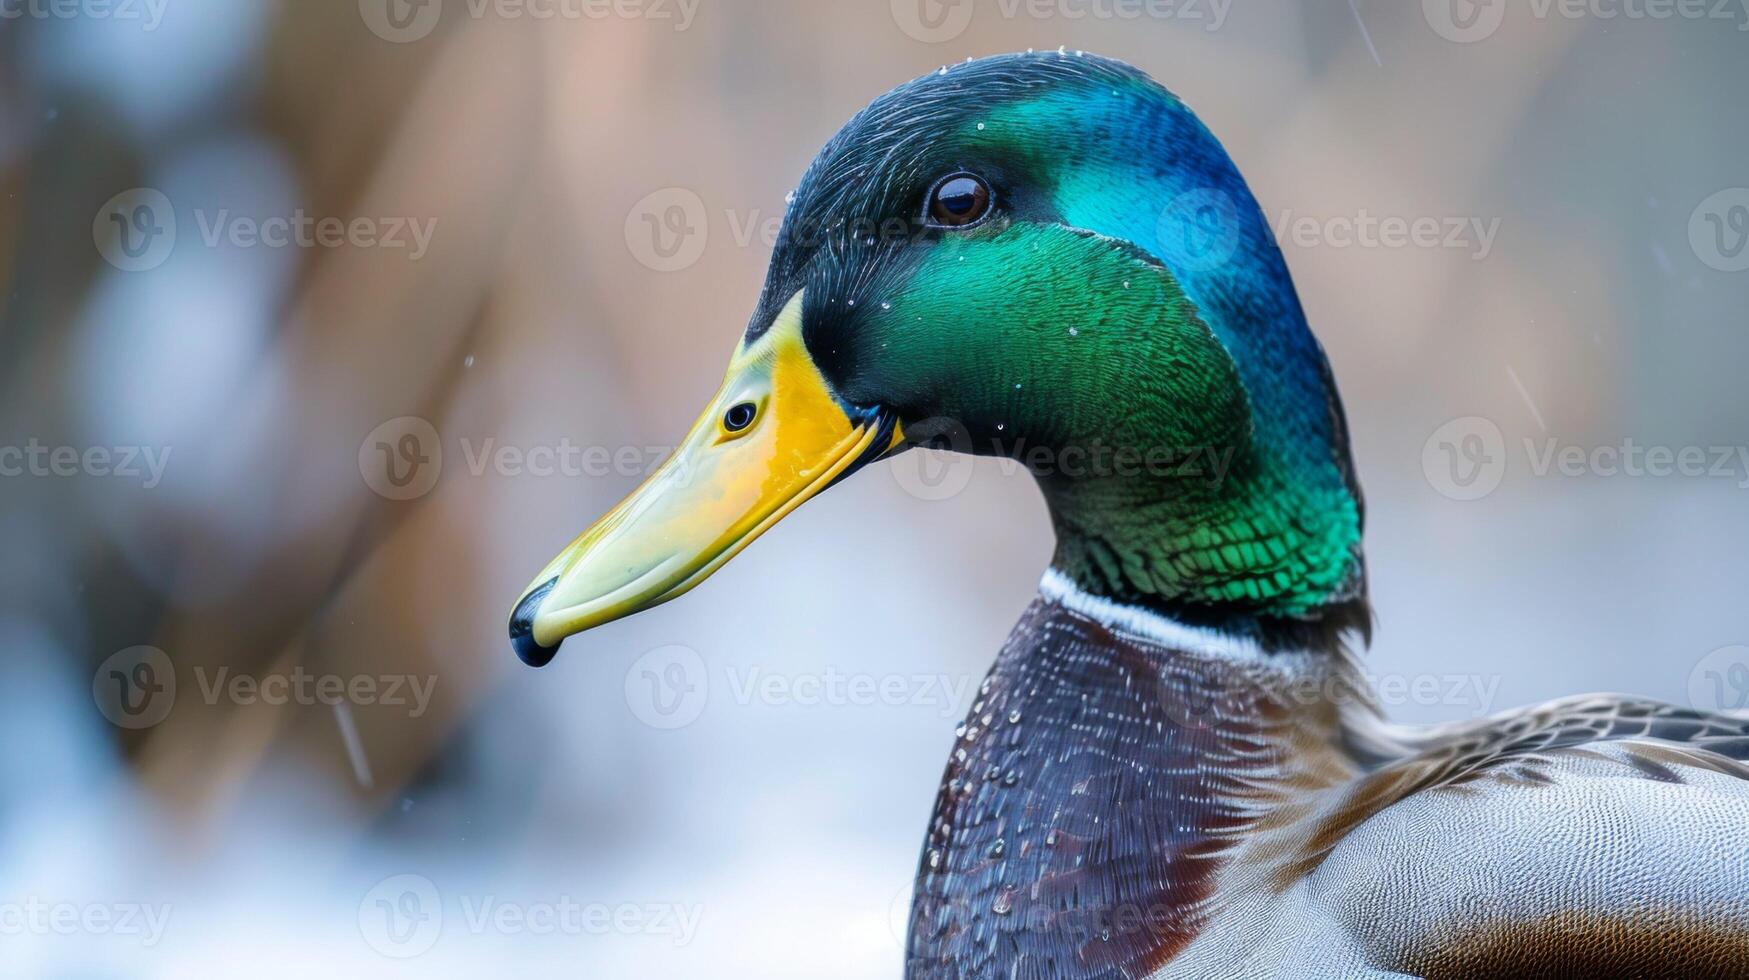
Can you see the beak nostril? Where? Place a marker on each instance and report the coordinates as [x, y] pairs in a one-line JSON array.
[[522, 627]]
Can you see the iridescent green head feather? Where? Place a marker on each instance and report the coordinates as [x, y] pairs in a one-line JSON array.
[[1049, 257], [1123, 297]]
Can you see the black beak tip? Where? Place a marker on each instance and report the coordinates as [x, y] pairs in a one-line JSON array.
[[522, 628]]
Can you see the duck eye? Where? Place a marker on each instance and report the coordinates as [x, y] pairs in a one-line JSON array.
[[959, 200], [739, 417]]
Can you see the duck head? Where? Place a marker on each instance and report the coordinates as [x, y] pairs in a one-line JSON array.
[[1046, 257]]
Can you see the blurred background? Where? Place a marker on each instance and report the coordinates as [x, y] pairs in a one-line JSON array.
[[325, 325]]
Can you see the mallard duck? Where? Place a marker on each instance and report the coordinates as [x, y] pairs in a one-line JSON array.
[[1174, 767]]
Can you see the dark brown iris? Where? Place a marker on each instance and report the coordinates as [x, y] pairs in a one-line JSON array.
[[959, 200]]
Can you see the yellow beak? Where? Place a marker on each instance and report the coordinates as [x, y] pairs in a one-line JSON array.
[[773, 437]]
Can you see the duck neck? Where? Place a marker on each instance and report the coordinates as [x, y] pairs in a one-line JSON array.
[[1226, 537]]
